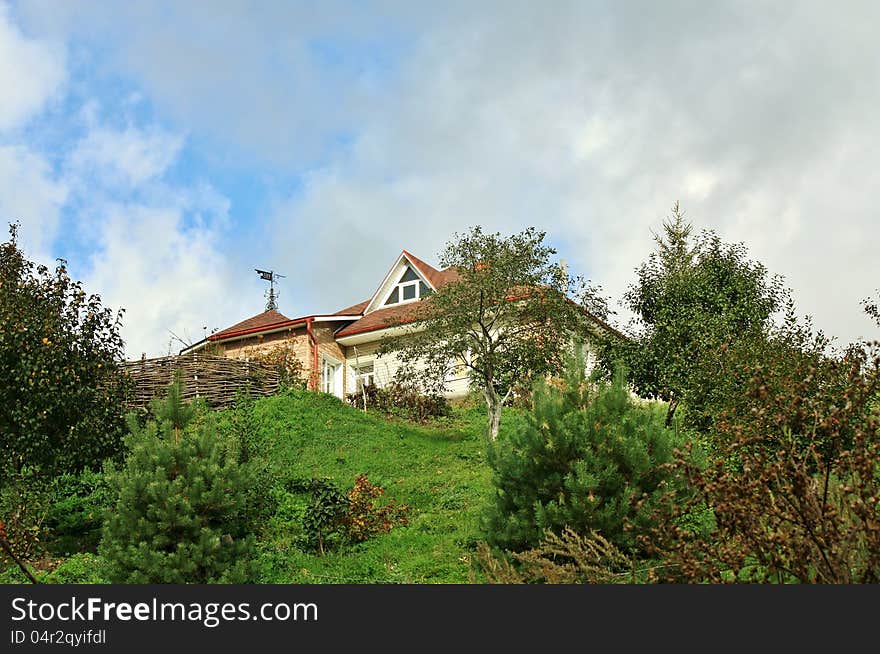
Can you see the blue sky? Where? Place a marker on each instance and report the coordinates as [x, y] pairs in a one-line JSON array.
[[167, 149]]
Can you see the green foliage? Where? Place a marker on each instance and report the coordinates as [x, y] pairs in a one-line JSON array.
[[75, 518], [179, 513], [323, 518], [260, 502], [794, 484], [693, 299], [25, 503], [403, 399], [63, 393], [569, 558], [282, 357], [506, 318], [588, 459], [333, 516], [84, 568]]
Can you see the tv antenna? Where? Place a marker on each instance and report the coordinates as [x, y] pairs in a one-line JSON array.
[[270, 276]]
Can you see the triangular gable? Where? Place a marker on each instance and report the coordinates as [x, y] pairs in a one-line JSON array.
[[426, 274]]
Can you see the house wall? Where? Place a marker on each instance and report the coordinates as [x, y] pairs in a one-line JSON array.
[[386, 366], [328, 346], [296, 338]]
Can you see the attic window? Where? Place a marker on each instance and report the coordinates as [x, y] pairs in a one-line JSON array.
[[409, 288]]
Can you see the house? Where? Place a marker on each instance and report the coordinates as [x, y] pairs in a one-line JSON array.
[[339, 350]]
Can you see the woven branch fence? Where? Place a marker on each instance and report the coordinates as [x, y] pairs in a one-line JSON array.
[[217, 380]]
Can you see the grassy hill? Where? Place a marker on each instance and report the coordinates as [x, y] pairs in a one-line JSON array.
[[438, 470]]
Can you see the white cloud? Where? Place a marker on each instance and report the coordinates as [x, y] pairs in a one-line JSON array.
[[585, 120], [590, 125], [31, 72], [30, 194], [168, 276], [127, 157]]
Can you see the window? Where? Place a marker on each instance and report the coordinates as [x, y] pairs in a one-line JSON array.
[[364, 376], [329, 376], [409, 288]]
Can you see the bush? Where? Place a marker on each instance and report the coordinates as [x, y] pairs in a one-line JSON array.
[[283, 358], [400, 399], [25, 503], [569, 558], [795, 485], [588, 458], [334, 517], [85, 568], [63, 392], [76, 515], [179, 513]]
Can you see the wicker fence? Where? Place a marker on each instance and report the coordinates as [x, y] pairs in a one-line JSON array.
[[217, 380]]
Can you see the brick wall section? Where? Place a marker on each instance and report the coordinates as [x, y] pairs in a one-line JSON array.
[[327, 345], [297, 337]]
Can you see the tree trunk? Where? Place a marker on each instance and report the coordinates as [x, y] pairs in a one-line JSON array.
[[493, 404], [670, 412]]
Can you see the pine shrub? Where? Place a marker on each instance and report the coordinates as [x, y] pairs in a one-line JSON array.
[[588, 458], [181, 498]]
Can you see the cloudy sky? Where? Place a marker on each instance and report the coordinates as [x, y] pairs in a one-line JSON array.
[[166, 149]]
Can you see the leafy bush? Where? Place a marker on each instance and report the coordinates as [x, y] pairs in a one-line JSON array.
[[401, 399], [179, 513], [25, 503], [76, 515], [84, 568], [282, 357], [364, 518], [794, 486], [588, 458], [63, 393], [333, 516]]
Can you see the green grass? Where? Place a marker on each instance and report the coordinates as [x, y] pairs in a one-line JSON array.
[[438, 470]]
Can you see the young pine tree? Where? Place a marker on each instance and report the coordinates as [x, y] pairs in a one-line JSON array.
[[179, 515], [588, 459]]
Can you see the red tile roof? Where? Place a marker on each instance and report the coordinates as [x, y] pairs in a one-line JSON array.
[[265, 319], [437, 277], [378, 319], [400, 314], [354, 310]]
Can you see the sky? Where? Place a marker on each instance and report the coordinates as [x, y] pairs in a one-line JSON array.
[[167, 149]]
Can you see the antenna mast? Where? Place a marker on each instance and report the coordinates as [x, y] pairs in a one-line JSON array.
[[270, 276]]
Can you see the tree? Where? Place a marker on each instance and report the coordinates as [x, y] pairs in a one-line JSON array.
[[793, 485], [588, 459], [507, 319], [179, 516], [62, 396], [692, 299]]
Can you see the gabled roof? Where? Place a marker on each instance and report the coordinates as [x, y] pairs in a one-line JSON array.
[[381, 318], [353, 310], [265, 319], [436, 278], [400, 314]]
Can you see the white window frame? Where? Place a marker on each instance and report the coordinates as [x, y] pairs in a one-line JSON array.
[[416, 283], [364, 378], [331, 376]]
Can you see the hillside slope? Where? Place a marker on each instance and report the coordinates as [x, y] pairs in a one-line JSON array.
[[438, 470]]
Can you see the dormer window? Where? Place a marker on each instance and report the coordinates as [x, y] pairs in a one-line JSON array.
[[409, 288]]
